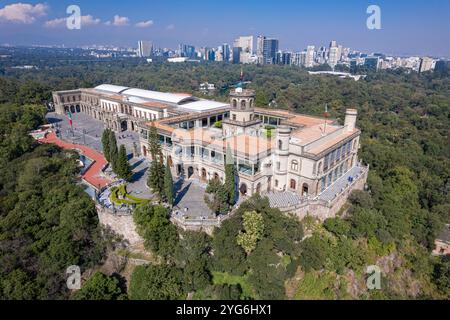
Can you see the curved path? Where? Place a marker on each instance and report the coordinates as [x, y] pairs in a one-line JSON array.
[[93, 175]]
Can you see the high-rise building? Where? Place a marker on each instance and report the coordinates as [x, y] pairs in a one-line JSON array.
[[296, 59], [372, 63], [270, 51], [226, 52], [237, 55], [441, 66], [186, 50], [145, 48], [333, 54], [260, 49], [309, 59], [210, 54], [426, 64], [244, 42], [266, 50], [286, 58], [353, 66]]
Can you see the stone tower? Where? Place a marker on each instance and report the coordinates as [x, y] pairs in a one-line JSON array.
[[242, 104], [242, 119], [281, 157]]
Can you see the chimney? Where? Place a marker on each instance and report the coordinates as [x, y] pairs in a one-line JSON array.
[[350, 119]]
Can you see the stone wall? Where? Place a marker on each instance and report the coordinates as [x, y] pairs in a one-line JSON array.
[[123, 225], [323, 210]]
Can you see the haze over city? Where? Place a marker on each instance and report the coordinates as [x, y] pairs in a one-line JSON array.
[[407, 27]]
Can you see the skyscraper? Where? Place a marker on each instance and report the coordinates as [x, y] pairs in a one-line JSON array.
[[286, 58], [266, 50], [270, 51], [225, 52], [372, 63], [295, 60], [237, 55], [244, 42], [186, 50], [260, 49], [333, 56], [426, 64], [145, 48], [310, 54]]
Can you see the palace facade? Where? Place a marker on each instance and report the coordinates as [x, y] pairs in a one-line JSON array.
[[303, 163]]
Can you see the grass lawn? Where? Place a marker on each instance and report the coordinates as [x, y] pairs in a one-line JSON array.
[[226, 278], [119, 195]]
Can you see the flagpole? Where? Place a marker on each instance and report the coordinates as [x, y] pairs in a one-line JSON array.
[[326, 115]]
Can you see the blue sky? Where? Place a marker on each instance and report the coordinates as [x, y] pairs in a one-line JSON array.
[[408, 27]]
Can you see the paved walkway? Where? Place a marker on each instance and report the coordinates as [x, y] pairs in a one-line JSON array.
[[343, 182], [93, 175], [189, 194], [283, 199]]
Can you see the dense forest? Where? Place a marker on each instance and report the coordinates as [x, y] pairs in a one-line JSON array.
[[405, 122]]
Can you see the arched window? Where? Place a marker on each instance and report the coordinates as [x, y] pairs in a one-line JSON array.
[[305, 189], [293, 184], [280, 144], [294, 165], [243, 104], [234, 103], [251, 103]]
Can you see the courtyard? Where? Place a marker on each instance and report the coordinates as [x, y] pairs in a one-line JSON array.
[[87, 131]]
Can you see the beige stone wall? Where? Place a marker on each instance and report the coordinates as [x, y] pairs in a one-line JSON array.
[[323, 211], [122, 225]]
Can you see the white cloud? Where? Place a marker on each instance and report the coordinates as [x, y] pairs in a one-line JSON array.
[[23, 12], [144, 24], [118, 21], [87, 20], [55, 23], [170, 27]]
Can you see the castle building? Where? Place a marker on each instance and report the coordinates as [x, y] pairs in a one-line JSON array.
[[304, 164]]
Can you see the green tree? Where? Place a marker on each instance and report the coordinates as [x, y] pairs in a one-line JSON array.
[[100, 287], [156, 282], [123, 166], [105, 144], [156, 174], [253, 231], [195, 260], [168, 184], [216, 197], [228, 255], [337, 226], [230, 177], [153, 224], [113, 150], [315, 251]]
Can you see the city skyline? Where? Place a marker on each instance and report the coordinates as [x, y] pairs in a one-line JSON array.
[[205, 24]]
